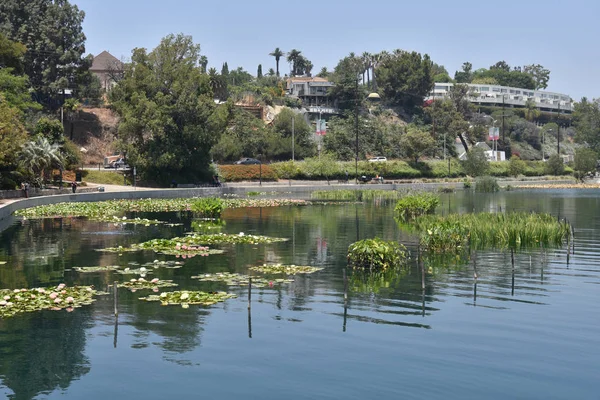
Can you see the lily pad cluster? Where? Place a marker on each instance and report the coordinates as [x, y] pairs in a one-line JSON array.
[[142, 271], [17, 301], [86, 270], [235, 279], [227, 238], [163, 264], [107, 210], [285, 269], [141, 283], [186, 297], [181, 247]]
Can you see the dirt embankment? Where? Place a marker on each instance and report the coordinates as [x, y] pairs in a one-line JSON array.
[[95, 129]]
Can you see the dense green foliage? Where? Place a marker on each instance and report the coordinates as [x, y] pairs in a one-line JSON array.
[[169, 121], [208, 207], [555, 165], [376, 254], [415, 205], [486, 184], [585, 162], [489, 230]]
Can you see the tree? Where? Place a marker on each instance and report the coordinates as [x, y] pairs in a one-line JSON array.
[[323, 166], [323, 73], [540, 75], [292, 58], [50, 128], [271, 72], [516, 166], [12, 133], [259, 73], [585, 162], [532, 113], [586, 119], [406, 78], [346, 90], [282, 125], [476, 163], [277, 53], [466, 75], [416, 143], [484, 80], [203, 63], [12, 55], [501, 65], [38, 155], [169, 121], [52, 33], [555, 165], [225, 69]]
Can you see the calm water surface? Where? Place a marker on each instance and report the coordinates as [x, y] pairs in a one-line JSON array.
[[534, 333]]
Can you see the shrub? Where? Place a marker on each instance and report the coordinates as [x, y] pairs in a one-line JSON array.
[[486, 184], [467, 184], [516, 166], [236, 173], [416, 205], [208, 207], [555, 165], [476, 163], [376, 254]]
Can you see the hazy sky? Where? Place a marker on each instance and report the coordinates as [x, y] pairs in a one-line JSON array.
[[561, 35]]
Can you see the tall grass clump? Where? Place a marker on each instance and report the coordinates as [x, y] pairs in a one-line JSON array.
[[415, 205], [486, 184], [376, 254], [208, 207], [488, 230], [355, 195]]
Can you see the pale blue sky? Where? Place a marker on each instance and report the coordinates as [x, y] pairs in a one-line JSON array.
[[560, 35]]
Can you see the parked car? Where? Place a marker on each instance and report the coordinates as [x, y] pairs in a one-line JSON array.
[[378, 159], [247, 161]]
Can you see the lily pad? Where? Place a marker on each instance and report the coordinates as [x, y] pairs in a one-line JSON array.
[[235, 279], [163, 264], [85, 270], [285, 269], [185, 298], [141, 283], [18, 301], [135, 271], [227, 238]]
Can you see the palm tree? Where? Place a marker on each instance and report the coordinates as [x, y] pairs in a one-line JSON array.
[[531, 111], [203, 63], [292, 58], [271, 72], [277, 53], [40, 154], [323, 73], [216, 82], [366, 61]]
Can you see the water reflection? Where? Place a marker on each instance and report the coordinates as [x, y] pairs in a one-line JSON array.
[[420, 296]]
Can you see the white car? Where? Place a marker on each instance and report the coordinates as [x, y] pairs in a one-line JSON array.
[[378, 159]]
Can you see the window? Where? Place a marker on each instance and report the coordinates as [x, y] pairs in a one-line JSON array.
[[439, 87], [519, 92], [512, 91], [495, 89], [484, 89], [503, 91]]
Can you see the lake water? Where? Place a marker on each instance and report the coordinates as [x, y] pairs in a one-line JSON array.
[[531, 333]]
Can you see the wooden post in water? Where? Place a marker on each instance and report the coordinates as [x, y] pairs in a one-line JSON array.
[[249, 293], [345, 286], [512, 261], [116, 298]]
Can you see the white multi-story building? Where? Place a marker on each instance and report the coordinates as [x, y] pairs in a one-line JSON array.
[[495, 95]]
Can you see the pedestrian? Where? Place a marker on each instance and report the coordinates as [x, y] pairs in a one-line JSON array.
[[73, 186], [26, 190], [346, 171], [23, 189]]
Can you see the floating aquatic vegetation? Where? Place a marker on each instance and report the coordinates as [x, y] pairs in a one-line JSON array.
[[141, 283], [180, 247], [105, 268], [209, 207], [185, 298], [489, 230], [132, 221], [285, 269], [355, 195], [377, 254], [235, 279], [227, 238], [142, 271], [415, 205], [163, 264], [107, 210], [207, 226], [17, 301]]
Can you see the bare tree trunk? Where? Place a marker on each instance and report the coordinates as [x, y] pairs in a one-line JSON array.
[[464, 142]]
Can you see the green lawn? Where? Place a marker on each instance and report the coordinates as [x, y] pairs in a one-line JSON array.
[[104, 177]]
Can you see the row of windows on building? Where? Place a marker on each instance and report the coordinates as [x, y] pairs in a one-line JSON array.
[[492, 89]]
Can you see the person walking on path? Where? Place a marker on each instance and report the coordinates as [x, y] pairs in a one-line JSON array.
[[74, 186], [26, 190]]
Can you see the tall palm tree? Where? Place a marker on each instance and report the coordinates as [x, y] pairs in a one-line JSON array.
[[531, 111], [203, 63], [277, 53], [292, 58], [216, 82], [366, 59]]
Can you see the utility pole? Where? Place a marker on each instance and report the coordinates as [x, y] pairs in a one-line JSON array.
[[503, 109], [293, 118], [356, 127], [558, 132]]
